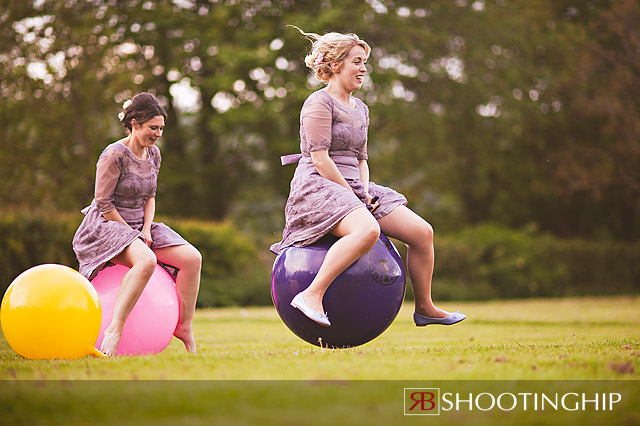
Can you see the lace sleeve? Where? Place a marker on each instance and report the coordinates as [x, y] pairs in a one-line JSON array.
[[107, 175], [316, 121], [362, 155], [157, 161]]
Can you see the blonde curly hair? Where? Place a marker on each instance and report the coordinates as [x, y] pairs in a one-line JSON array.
[[327, 48]]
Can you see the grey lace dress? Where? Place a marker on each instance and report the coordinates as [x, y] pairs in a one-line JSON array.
[[123, 182], [316, 204]]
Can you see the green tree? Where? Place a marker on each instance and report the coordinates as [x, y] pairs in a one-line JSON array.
[[515, 112]]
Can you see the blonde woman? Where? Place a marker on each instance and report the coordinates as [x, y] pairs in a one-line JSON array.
[[331, 192], [118, 226]]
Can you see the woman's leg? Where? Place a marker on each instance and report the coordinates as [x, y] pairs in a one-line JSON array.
[[189, 262], [406, 226], [142, 262], [358, 232]]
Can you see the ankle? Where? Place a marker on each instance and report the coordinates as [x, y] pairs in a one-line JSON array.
[[425, 307], [312, 295], [114, 328], [184, 326]]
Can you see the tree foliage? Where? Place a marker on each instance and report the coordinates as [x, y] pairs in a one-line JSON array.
[[486, 110]]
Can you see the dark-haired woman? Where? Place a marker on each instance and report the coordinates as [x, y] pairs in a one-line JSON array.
[[118, 226]]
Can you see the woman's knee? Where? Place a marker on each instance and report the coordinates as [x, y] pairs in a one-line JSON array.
[[193, 257], [137, 255], [422, 234], [369, 232], [146, 261], [183, 257]]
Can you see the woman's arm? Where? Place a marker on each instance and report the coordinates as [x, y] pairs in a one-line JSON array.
[[327, 168], [114, 215], [363, 166], [149, 213], [317, 123], [107, 175]]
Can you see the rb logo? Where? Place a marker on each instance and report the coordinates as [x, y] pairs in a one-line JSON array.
[[421, 401]]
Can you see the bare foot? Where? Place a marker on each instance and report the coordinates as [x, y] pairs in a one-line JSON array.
[[184, 332], [110, 342], [433, 312]]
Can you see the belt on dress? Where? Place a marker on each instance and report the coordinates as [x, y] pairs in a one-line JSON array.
[[347, 165]]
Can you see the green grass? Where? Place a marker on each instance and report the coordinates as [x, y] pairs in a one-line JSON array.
[[251, 369], [589, 338]]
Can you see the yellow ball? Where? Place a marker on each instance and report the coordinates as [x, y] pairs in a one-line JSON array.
[[51, 311]]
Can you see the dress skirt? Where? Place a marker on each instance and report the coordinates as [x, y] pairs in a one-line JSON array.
[[99, 240], [316, 204]]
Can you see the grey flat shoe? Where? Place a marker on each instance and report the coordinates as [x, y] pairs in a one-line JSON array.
[[299, 303], [454, 318]]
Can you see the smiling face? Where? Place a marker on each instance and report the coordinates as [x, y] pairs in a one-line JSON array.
[[147, 133], [350, 72]]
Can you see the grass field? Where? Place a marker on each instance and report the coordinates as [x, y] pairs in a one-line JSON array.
[[240, 349]]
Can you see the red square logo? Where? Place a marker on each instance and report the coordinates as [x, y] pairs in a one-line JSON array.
[[421, 401]]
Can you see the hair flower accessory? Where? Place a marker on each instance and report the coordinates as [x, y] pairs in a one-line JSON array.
[[121, 116], [319, 59], [126, 104]]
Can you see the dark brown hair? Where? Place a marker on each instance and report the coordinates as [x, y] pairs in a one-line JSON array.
[[143, 107]]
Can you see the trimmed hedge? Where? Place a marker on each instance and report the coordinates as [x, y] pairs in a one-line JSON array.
[[483, 262], [27, 240], [234, 271], [490, 262]]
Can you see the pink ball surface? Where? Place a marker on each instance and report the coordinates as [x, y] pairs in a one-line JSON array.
[[150, 325]]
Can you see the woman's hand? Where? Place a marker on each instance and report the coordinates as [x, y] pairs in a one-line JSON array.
[[372, 202], [146, 233]]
